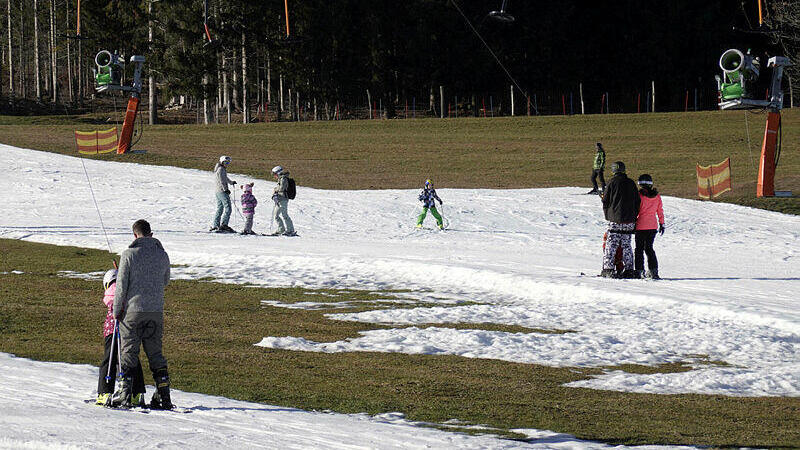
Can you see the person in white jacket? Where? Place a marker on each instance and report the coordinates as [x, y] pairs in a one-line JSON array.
[[281, 199]]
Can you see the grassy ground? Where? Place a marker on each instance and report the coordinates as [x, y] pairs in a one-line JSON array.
[[509, 152], [211, 329]]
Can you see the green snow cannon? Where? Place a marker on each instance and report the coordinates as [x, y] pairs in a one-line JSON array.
[[739, 71], [109, 69]]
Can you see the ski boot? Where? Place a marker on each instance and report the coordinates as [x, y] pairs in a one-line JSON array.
[[654, 274], [226, 229], [419, 225], [290, 233], [608, 273], [593, 191], [213, 229], [122, 395], [629, 274], [161, 398], [103, 399], [137, 400]]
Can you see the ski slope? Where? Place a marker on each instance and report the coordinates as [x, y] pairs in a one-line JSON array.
[[731, 274]]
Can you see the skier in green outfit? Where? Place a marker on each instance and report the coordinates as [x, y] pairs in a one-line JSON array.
[[428, 198], [597, 170]]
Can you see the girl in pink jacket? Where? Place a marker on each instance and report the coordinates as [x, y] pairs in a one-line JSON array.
[[647, 227], [105, 384]]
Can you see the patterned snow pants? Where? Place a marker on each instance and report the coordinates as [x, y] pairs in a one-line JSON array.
[[619, 235]]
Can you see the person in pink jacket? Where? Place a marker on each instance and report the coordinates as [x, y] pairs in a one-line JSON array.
[[105, 384], [647, 227]]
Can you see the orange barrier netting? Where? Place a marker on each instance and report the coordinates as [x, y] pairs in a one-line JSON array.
[[714, 180], [94, 142]]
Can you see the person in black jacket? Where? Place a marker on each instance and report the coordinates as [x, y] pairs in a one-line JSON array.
[[621, 207]]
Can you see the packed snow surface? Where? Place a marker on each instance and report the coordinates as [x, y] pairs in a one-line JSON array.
[[727, 305]]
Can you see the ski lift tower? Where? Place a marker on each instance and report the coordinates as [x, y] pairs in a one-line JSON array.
[[735, 92], [108, 78]]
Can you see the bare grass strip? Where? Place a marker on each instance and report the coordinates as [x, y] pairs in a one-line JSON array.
[[211, 329]]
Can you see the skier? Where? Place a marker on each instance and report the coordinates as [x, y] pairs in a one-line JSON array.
[[249, 203], [428, 198], [621, 207], [281, 199], [139, 310], [651, 207], [223, 195], [105, 386], [597, 170]]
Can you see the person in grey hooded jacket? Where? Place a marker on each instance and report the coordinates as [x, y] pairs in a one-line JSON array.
[[223, 195], [139, 309]]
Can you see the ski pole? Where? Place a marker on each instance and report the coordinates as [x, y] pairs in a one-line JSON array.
[[119, 351], [111, 353], [272, 216]]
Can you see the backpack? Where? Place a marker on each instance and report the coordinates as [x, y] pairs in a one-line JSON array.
[[291, 189]]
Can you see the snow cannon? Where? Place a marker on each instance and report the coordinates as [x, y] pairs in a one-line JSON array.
[[739, 71], [109, 68]]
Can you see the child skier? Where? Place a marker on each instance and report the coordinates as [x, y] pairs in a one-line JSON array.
[[249, 203], [428, 198], [105, 384], [646, 227]]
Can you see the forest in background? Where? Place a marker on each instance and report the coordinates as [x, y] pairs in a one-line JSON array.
[[390, 55]]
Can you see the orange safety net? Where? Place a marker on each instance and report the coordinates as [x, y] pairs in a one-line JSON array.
[[94, 142], [714, 180]]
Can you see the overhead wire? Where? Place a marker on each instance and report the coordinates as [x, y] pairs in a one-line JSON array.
[[97, 208], [494, 55]]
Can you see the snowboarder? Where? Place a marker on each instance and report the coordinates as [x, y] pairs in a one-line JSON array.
[[597, 170], [428, 198], [620, 207], [281, 198], [139, 310], [105, 384], [651, 207], [223, 195], [249, 203]]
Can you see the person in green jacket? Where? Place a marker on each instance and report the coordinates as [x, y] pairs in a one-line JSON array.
[[597, 170]]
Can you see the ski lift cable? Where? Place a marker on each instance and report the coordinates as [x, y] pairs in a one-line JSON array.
[[494, 55], [96, 207]]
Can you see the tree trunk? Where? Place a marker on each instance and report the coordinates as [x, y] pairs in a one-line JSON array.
[[269, 81], [245, 108], [235, 82], [69, 60], [152, 97], [10, 56], [206, 110], [53, 52], [21, 69], [36, 73], [225, 88]]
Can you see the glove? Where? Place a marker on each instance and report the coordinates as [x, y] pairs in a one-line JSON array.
[[233, 182], [441, 203], [661, 229]]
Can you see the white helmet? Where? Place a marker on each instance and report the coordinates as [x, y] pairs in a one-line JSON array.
[[224, 159], [277, 170], [109, 277]]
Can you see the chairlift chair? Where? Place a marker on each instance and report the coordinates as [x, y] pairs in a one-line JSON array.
[[502, 15]]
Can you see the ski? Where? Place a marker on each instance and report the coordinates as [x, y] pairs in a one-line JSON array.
[[146, 409]]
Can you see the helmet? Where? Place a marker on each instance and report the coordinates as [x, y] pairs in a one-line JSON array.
[[599, 146], [645, 178], [618, 167], [224, 159], [277, 170], [109, 277], [428, 183]]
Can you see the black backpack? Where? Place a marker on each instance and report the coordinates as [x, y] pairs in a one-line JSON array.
[[291, 189]]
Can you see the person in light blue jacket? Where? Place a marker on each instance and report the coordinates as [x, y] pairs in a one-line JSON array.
[[223, 195]]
